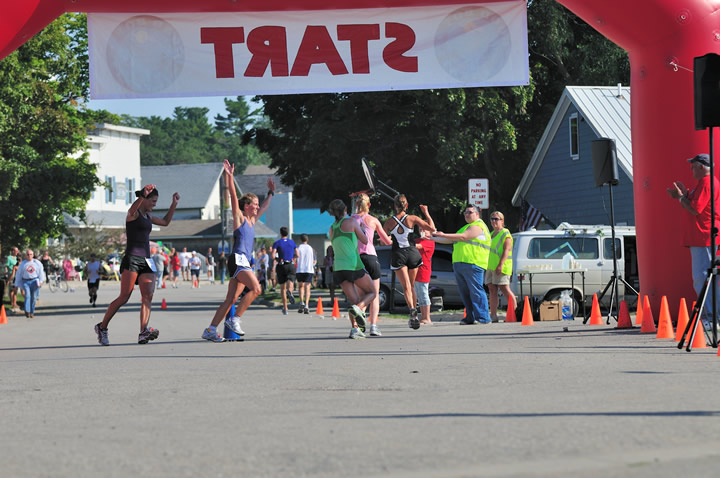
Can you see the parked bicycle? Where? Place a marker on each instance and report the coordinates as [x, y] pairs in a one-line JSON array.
[[56, 281]]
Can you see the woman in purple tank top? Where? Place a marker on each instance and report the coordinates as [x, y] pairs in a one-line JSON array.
[[245, 213], [137, 265]]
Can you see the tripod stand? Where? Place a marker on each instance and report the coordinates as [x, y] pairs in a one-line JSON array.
[[691, 327], [613, 282]]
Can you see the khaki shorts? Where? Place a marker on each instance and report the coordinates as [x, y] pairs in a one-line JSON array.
[[492, 277]]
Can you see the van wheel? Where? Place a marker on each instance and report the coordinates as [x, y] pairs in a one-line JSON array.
[[384, 296], [577, 307]]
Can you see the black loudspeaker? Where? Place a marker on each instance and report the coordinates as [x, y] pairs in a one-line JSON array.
[[706, 76], [604, 160]]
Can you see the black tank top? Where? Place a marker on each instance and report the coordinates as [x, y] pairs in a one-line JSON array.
[[138, 236]]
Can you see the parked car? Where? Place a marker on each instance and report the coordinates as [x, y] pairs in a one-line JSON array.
[[442, 277], [590, 247]]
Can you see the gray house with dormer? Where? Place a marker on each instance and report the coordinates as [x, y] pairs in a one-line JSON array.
[[559, 181]]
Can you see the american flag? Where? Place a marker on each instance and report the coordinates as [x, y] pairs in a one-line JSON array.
[[530, 216]]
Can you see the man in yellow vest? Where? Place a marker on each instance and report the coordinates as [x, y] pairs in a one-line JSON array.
[[500, 265], [471, 253]]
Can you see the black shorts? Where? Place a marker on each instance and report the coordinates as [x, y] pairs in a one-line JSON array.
[[372, 265], [137, 264], [195, 272], [285, 272], [351, 276], [94, 285], [406, 257], [304, 277]]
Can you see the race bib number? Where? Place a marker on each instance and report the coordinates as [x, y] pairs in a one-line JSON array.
[[242, 261], [151, 263]]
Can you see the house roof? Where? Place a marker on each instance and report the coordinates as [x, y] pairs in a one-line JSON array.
[[109, 219], [254, 180], [606, 109], [194, 183], [197, 228]]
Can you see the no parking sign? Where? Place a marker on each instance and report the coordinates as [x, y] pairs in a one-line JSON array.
[[479, 193]]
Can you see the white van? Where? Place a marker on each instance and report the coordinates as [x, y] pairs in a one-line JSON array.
[[590, 247]]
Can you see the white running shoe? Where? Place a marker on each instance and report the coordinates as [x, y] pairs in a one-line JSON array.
[[374, 331], [233, 323], [102, 335], [356, 333], [212, 336]]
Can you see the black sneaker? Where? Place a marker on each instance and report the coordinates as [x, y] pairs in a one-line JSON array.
[[300, 309], [147, 335], [290, 297], [306, 311]]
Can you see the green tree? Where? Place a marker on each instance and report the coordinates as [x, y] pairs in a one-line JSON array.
[[43, 170], [426, 144]]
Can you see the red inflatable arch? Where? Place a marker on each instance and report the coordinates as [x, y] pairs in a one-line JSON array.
[[658, 34]]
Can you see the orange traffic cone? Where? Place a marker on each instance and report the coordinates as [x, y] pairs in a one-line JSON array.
[[336, 310], [195, 283], [648, 321], [319, 310], [464, 313], [163, 306], [510, 316], [163, 285], [683, 319], [699, 340], [3, 316], [624, 321], [665, 328], [639, 313], [595, 315], [527, 318]]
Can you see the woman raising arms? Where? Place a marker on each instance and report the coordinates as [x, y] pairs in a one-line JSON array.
[[405, 257], [245, 212], [137, 266]]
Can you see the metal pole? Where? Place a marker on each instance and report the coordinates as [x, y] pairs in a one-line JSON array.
[[713, 233], [614, 293]]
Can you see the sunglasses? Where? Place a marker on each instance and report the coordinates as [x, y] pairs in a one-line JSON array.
[[469, 212], [494, 218]]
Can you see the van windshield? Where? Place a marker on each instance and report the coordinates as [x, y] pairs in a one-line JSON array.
[[557, 247]]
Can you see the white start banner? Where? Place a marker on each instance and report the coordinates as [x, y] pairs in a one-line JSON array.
[[318, 51]]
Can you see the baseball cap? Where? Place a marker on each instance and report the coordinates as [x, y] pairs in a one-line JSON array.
[[703, 159]]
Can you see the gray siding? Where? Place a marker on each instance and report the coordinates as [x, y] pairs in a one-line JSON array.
[[564, 189]]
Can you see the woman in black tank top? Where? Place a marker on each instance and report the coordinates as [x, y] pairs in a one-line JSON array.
[[137, 265], [405, 257]]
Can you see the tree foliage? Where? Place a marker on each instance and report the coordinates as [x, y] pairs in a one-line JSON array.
[[188, 137], [427, 144], [43, 170]]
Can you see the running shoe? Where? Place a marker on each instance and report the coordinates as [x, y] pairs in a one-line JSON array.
[[356, 313], [233, 323], [147, 335], [290, 297], [374, 331], [300, 309], [306, 311], [102, 335], [285, 311], [356, 333], [414, 322], [212, 336]]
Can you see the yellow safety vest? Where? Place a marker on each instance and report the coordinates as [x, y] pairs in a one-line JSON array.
[[473, 251], [496, 250]]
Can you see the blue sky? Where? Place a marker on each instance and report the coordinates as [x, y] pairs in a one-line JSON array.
[[161, 106]]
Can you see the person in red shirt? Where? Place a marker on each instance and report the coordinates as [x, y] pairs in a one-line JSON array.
[[697, 233], [422, 279]]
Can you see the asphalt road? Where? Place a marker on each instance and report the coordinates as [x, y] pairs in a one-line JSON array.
[[297, 398]]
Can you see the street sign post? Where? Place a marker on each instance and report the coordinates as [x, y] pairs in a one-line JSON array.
[[479, 193]]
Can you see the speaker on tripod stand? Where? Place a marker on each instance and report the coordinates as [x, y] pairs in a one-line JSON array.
[[605, 170]]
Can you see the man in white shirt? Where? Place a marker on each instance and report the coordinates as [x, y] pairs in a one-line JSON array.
[[305, 271], [195, 265], [184, 261], [29, 278]]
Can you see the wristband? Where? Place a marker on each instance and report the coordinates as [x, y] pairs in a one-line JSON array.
[[270, 192]]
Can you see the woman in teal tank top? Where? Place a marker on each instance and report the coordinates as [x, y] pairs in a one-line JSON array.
[[348, 269]]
